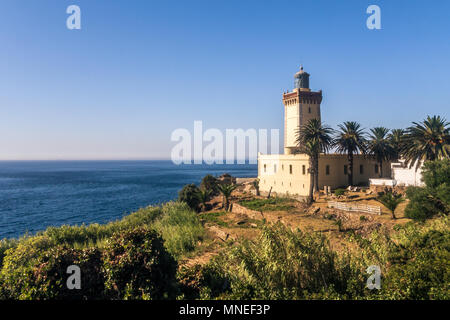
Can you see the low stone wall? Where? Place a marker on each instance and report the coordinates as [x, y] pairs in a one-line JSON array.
[[245, 180], [252, 214]]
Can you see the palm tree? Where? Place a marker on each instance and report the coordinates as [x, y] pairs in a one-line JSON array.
[[429, 140], [397, 139], [380, 146], [226, 190], [203, 196], [314, 138], [350, 139], [391, 201], [310, 149]]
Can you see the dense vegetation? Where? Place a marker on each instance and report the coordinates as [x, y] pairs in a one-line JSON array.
[[139, 257], [134, 258], [285, 264], [434, 198]]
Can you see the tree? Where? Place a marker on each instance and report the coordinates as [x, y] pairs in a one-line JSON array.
[[428, 140], [226, 190], [209, 182], [391, 201], [380, 146], [204, 196], [397, 140], [314, 138], [350, 139], [188, 194], [310, 149], [434, 198], [255, 184]]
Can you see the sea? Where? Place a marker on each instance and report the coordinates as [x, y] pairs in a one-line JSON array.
[[37, 194]]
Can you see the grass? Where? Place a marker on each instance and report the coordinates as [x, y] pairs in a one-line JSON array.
[[273, 204], [180, 228], [214, 217], [178, 225]]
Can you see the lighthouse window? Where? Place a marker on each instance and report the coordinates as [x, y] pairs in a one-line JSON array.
[[304, 169], [290, 168], [309, 109], [327, 170], [264, 168]]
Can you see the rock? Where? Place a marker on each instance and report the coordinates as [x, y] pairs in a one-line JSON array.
[[222, 235], [253, 225]]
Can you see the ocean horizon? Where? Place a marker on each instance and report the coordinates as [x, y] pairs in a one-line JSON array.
[[36, 194]]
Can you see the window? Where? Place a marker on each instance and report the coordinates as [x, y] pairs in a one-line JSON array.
[[376, 168], [264, 168], [275, 168], [282, 167], [345, 169], [304, 169], [361, 169], [327, 170], [309, 109], [290, 168]]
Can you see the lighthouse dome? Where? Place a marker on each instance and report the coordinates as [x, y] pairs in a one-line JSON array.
[[301, 79]]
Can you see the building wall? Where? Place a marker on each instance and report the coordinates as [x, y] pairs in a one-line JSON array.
[[363, 169], [275, 171], [287, 178], [405, 176]]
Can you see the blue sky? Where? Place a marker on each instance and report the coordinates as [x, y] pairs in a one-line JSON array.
[[137, 70]]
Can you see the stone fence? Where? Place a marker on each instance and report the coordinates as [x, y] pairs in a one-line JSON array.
[[345, 206]]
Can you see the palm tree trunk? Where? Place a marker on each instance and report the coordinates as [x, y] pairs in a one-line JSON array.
[[381, 169], [350, 168], [316, 173], [311, 179], [393, 214]]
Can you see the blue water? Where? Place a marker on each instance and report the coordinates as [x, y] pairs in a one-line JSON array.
[[38, 194]]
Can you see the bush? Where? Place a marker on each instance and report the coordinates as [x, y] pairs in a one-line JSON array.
[[37, 269], [281, 264], [180, 228], [94, 234], [420, 269], [138, 266], [434, 198], [339, 192], [189, 195], [209, 182]]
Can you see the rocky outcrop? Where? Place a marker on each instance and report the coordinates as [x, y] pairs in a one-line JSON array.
[[252, 214]]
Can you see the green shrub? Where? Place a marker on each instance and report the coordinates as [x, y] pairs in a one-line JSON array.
[[420, 268], [189, 195], [434, 198], [281, 264], [138, 266], [180, 228], [209, 183], [272, 204], [94, 234], [339, 192]]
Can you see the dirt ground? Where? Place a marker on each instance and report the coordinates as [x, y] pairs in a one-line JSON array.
[[229, 228]]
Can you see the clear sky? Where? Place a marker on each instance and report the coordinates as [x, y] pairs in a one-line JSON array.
[[139, 69]]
